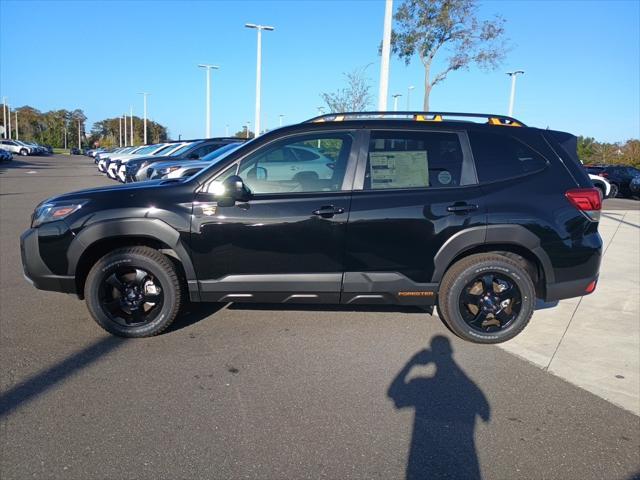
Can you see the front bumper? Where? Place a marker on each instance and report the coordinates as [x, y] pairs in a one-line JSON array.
[[36, 271]]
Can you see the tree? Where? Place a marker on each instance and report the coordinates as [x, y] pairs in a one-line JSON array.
[[356, 97], [243, 133], [428, 27]]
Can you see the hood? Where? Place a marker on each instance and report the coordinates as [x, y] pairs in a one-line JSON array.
[[139, 188]]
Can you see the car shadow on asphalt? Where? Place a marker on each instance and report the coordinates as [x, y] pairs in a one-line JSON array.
[[193, 313], [446, 406], [41, 382]]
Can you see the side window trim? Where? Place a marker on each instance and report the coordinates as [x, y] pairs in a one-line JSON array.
[[468, 175]]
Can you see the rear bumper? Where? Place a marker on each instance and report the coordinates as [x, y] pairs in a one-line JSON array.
[[35, 270], [571, 289]]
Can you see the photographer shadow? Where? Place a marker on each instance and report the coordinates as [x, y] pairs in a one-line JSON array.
[[446, 406]]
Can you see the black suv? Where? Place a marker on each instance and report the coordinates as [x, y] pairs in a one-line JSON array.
[[619, 176], [480, 219]]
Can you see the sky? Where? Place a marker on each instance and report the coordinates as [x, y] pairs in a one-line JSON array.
[[581, 61]]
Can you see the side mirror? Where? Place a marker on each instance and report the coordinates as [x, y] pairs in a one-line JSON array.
[[229, 191]]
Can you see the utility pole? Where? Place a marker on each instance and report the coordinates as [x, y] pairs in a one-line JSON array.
[[259, 28], [79, 137], [120, 130], [65, 135], [125, 128], [512, 97], [131, 118], [145, 95], [208, 68], [17, 134], [281, 117], [386, 53], [248, 128], [411, 87]]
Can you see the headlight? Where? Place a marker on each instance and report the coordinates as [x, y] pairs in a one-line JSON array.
[[50, 212]]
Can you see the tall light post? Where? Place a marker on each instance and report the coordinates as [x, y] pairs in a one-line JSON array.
[[411, 87], [4, 116], [259, 28], [125, 128], [17, 134], [396, 96], [120, 130], [208, 68], [226, 130], [281, 116], [248, 125], [9, 115], [386, 53], [131, 122], [512, 97], [145, 95], [79, 137]]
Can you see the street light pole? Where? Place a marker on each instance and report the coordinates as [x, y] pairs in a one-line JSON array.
[[259, 28], [125, 128], [386, 53], [395, 101], [281, 117], [248, 128], [208, 68], [4, 117], [120, 130], [17, 134], [9, 115], [512, 97], [411, 87], [79, 137], [145, 95], [131, 123]]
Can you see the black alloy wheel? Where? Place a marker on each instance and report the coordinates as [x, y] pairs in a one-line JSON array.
[[490, 302], [131, 296]]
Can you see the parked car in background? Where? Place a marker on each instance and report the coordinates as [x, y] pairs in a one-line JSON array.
[[601, 184], [619, 176], [135, 163], [5, 155], [186, 167], [103, 159], [17, 147], [634, 186], [113, 161], [195, 150], [75, 151]]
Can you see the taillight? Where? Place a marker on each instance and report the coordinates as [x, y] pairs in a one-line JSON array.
[[587, 200]]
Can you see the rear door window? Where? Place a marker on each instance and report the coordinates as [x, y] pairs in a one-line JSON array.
[[413, 160], [499, 157]]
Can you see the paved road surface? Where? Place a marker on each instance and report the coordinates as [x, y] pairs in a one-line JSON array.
[[264, 393]]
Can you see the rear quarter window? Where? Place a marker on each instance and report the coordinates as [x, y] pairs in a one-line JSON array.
[[500, 157]]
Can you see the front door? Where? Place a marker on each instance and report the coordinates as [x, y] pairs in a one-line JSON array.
[[286, 243]]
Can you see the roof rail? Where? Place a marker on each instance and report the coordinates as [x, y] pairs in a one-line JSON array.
[[491, 118]]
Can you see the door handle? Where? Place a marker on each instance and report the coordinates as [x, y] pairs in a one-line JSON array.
[[461, 208], [328, 211]]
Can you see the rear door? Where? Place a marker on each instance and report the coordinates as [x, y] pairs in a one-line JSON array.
[[286, 243], [414, 190]]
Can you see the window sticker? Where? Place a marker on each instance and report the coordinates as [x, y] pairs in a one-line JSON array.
[[399, 169]]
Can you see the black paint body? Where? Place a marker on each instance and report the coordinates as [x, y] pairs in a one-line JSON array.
[[379, 245]]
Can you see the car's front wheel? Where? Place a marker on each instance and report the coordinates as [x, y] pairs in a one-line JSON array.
[[486, 298], [24, 152], [133, 292]]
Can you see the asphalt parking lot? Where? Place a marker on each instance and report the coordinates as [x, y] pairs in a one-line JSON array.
[[239, 392]]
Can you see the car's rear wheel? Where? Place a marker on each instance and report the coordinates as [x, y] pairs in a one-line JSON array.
[[133, 292], [486, 298], [24, 152], [613, 193]]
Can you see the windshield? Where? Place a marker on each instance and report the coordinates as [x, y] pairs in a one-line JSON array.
[[177, 146], [220, 153], [164, 150], [148, 149], [180, 151]]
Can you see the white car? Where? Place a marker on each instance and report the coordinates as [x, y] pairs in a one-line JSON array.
[[104, 158], [186, 167], [16, 146], [285, 163], [601, 184], [121, 165]]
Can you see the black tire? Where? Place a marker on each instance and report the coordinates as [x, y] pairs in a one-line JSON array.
[[504, 271], [614, 192], [24, 152], [101, 294]]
